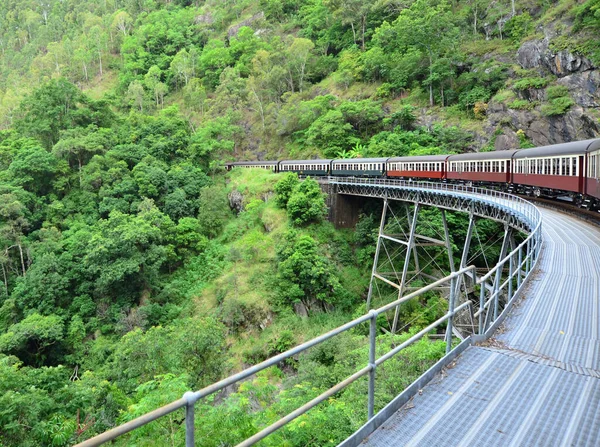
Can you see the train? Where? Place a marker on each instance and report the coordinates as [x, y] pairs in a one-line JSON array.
[[568, 171]]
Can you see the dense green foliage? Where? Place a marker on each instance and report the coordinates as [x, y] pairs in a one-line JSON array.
[[133, 268]]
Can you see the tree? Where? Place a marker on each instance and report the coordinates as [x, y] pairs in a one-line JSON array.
[[78, 145], [285, 187], [55, 106], [135, 95], [429, 25], [304, 275], [331, 133], [297, 58], [213, 211], [31, 338], [122, 22], [353, 12], [306, 203]]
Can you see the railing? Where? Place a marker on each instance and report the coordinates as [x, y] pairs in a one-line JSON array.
[[190, 398], [526, 209], [526, 253]]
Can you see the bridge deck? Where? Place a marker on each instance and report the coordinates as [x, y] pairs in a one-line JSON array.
[[538, 382]]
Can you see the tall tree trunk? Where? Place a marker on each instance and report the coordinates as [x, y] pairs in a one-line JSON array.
[[100, 60], [5, 279], [364, 22], [22, 259], [430, 80], [353, 31]]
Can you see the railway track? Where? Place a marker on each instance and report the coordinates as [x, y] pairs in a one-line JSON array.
[[566, 207]]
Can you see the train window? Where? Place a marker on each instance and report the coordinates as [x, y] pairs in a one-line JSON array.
[[575, 165]]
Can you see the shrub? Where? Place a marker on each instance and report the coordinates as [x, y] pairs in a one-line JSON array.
[[284, 188], [557, 106], [519, 26], [527, 83], [557, 91], [306, 203], [521, 104]]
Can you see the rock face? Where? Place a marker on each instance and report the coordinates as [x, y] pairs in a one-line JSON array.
[[537, 54], [236, 201], [233, 29], [576, 124], [584, 87]]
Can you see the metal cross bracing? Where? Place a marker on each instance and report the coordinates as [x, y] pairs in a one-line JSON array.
[[537, 382], [498, 289], [403, 256]]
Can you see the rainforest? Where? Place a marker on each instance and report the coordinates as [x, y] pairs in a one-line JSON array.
[[135, 268]]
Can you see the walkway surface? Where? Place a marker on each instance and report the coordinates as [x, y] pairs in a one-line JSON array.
[[537, 383]]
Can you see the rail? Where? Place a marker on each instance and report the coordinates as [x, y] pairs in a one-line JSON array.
[[526, 253], [190, 398]]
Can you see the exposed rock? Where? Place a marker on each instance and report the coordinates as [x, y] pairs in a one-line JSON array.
[[584, 87], [576, 124], [204, 19], [508, 140], [301, 310], [537, 54], [233, 29], [236, 201]]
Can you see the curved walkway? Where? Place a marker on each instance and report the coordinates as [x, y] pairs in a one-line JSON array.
[[538, 382]]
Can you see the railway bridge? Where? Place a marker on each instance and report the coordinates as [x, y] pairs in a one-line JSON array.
[[525, 371]]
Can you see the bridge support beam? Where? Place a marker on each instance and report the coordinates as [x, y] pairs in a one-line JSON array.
[[400, 242]]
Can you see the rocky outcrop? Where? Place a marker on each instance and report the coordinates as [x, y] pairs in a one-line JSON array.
[[584, 87], [537, 54], [576, 124], [234, 29], [236, 201]]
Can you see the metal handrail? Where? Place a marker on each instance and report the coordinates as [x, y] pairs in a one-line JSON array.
[[532, 245], [188, 400]]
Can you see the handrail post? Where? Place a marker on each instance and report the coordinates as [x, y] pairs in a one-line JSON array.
[[497, 291], [481, 306], [519, 268], [372, 354], [528, 257], [451, 314], [511, 269], [189, 420]]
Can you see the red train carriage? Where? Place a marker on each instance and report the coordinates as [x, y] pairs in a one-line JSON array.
[[426, 167], [552, 170], [480, 167], [592, 186]]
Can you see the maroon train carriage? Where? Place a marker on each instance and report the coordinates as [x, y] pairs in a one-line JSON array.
[[552, 170], [592, 186], [425, 167], [480, 167]]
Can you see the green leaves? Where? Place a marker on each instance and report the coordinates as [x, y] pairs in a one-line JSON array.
[[31, 337]]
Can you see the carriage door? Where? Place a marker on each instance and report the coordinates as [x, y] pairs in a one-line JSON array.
[[581, 174]]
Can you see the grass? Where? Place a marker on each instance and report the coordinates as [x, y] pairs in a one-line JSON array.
[[522, 104]]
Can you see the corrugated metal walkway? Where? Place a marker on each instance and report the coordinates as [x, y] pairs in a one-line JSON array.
[[538, 382]]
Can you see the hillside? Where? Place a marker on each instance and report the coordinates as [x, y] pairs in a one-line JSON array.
[[133, 268]]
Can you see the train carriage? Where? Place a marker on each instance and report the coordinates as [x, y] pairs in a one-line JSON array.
[[480, 167], [270, 165], [306, 167], [552, 170], [592, 187], [425, 167], [359, 167]]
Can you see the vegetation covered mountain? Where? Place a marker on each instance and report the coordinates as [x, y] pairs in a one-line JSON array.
[[133, 268]]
